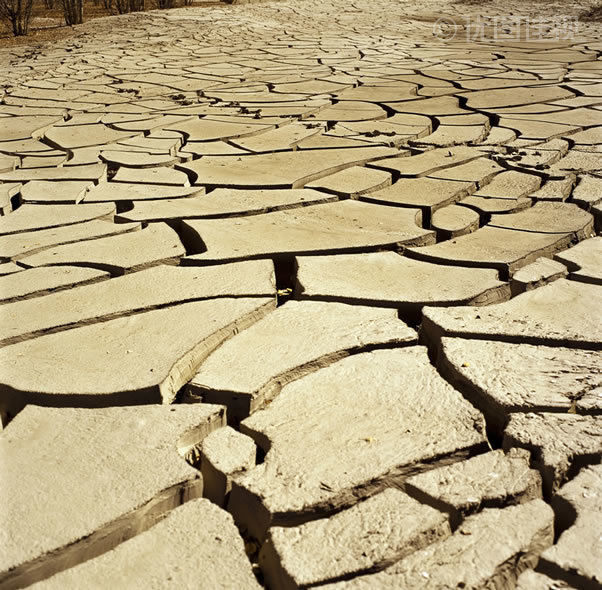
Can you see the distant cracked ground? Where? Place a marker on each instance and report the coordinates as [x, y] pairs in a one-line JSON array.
[[296, 294]]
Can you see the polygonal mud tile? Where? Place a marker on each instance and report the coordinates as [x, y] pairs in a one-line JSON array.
[[158, 175], [501, 378], [399, 127], [559, 314], [25, 127], [279, 170], [578, 162], [498, 136], [453, 221], [370, 535], [584, 261], [555, 190], [162, 144], [475, 556], [297, 339], [538, 157], [452, 135], [504, 249], [437, 106], [86, 156], [273, 140], [353, 181], [480, 171], [560, 444], [333, 228], [92, 172], [334, 140], [211, 148], [8, 268], [43, 161], [387, 279], [486, 206], [196, 546], [322, 453], [588, 192], [428, 162], [68, 137], [36, 217], [28, 146], [510, 185], [155, 287], [225, 454], [577, 117], [225, 202], [591, 136], [576, 555], [394, 93], [428, 194], [143, 358], [208, 130], [28, 242], [41, 281], [490, 480], [123, 191], [63, 455], [350, 110], [537, 274], [505, 193], [550, 218], [128, 252], [507, 97], [39, 191], [135, 159]]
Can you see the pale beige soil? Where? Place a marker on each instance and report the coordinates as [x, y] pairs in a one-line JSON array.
[[333, 266]]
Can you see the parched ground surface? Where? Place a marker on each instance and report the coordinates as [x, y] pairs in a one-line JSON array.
[[300, 294]]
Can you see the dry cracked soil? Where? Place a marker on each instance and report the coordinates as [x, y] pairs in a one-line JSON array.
[[303, 293]]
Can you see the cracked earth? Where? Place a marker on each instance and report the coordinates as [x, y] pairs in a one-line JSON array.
[[297, 294]]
